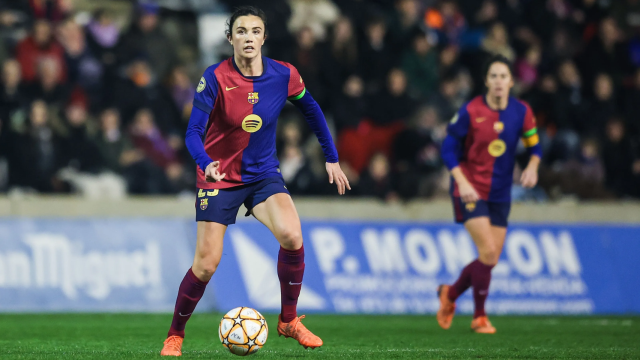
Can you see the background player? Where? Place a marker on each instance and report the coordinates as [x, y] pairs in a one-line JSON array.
[[480, 151], [235, 111]]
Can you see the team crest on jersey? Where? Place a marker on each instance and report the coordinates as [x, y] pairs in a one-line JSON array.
[[470, 206], [498, 127], [204, 203], [253, 98], [201, 85], [497, 148]]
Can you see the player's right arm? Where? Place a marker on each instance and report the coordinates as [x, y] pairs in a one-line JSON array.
[[452, 150], [203, 102]]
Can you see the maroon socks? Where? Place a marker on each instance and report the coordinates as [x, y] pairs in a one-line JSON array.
[[290, 272], [190, 292], [478, 275]]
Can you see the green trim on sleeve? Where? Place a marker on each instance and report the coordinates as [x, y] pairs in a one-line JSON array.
[[299, 96], [531, 132]]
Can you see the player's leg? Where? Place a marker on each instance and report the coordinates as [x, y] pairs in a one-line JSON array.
[[279, 214], [207, 257]]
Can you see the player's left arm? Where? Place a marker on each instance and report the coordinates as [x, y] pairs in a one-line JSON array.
[[302, 99], [531, 141]]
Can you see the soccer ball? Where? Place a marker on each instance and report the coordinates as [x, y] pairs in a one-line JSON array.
[[243, 331]]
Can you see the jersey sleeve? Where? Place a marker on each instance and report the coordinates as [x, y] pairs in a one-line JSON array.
[[529, 129], [296, 84], [456, 131], [206, 92]]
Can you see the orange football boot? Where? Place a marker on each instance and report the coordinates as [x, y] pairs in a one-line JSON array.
[[172, 346], [296, 330], [481, 325], [447, 308]]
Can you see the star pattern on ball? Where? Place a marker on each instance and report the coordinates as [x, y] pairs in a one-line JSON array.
[[251, 342], [262, 321], [226, 342], [238, 320]]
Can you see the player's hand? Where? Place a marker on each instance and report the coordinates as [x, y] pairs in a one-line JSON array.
[[212, 172], [336, 174], [467, 193], [529, 177]]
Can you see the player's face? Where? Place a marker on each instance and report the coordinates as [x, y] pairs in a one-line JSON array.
[[247, 36], [499, 80]]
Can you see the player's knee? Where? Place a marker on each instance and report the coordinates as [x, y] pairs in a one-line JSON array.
[[204, 268], [489, 255], [290, 239]]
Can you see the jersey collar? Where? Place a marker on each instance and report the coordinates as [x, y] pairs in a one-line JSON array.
[[265, 64]]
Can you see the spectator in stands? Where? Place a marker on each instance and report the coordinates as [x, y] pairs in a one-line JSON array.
[[39, 45], [51, 10], [48, 86], [497, 42], [377, 179], [606, 53], [182, 92], [12, 97], [620, 160], [307, 59], [447, 20], [84, 69], [376, 56], [527, 68], [393, 104], [146, 39], [569, 111], [350, 105], [313, 14], [627, 14], [114, 146], [79, 148], [421, 65], [416, 154], [405, 20], [602, 107], [341, 54], [37, 154], [161, 172], [294, 165], [103, 35], [141, 89]]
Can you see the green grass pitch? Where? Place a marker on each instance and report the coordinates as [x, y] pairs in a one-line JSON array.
[[140, 336]]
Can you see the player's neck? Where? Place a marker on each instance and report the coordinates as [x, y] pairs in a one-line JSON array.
[[249, 66], [497, 102]]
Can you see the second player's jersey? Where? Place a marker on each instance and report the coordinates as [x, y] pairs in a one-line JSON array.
[[243, 113], [489, 141]]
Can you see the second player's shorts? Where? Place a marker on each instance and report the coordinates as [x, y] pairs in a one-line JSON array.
[[222, 205], [498, 212]]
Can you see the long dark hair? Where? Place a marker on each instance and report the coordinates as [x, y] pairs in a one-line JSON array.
[[245, 11]]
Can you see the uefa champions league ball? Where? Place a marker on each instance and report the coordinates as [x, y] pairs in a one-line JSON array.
[[243, 331]]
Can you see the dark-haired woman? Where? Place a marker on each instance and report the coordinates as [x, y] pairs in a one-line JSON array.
[[480, 150], [231, 136]]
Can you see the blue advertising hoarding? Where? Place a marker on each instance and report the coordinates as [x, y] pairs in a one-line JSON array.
[[351, 267]]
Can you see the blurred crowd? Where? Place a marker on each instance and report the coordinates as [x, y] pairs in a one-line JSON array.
[[89, 105]]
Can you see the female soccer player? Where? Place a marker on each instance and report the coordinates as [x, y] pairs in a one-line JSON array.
[[231, 136], [480, 150]]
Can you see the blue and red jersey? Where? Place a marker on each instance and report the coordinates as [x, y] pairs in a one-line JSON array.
[[483, 142], [242, 113]]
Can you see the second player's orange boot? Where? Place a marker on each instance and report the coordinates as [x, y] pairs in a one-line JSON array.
[[295, 329], [481, 325], [172, 346], [447, 308]]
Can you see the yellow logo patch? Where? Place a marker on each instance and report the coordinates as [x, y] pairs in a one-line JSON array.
[[481, 119], [213, 193], [498, 127], [470, 206], [253, 98], [251, 123], [201, 193], [454, 119], [497, 148], [201, 85]]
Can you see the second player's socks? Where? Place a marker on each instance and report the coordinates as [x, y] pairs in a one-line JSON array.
[[290, 272], [463, 283], [190, 292], [480, 280]]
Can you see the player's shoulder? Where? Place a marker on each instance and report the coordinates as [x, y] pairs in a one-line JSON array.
[[281, 67], [521, 103], [471, 105], [211, 70]]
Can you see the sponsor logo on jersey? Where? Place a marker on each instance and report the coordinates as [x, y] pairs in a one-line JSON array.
[[480, 119], [213, 193], [204, 203], [251, 123], [498, 126], [497, 148], [253, 98], [201, 85], [231, 88]]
